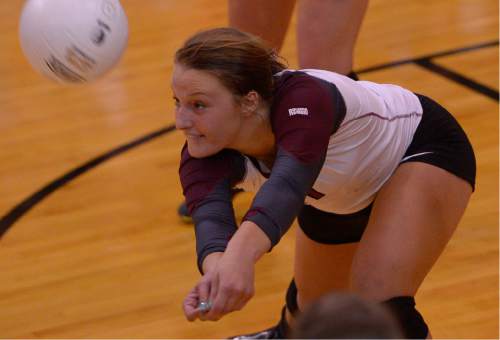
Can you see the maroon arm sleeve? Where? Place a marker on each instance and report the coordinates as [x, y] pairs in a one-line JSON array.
[[207, 184]]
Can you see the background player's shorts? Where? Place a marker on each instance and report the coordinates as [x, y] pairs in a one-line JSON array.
[[439, 140]]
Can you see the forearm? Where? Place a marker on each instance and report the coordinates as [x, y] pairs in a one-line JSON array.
[[210, 261], [281, 197], [214, 224], [249, 242], [241, 246]]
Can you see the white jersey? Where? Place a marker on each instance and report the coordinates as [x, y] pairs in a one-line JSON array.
[[379, 123]]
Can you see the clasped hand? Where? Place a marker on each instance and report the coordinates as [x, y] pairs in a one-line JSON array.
[[227, 286]]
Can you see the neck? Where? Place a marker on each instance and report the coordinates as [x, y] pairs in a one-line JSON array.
[[256, 139]]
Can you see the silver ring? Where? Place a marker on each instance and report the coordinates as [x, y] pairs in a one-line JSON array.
[[204, 306]]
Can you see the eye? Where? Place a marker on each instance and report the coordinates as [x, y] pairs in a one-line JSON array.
[[176, 102], [199, 105]]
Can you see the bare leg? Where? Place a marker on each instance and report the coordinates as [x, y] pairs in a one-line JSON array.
[[413, 218], [320, 269], [311, 282], [327, 32], [267, 19]]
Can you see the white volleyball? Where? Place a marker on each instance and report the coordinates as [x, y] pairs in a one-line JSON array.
[[73, 41]]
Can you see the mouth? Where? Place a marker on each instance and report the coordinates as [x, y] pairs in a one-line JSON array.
[[193, 135]]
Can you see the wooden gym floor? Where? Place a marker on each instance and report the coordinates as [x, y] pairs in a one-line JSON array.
[[93, 247]]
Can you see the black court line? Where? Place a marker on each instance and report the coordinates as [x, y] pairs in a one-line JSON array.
[[22, 208], [427, 63], [458, 78], [429, 56]]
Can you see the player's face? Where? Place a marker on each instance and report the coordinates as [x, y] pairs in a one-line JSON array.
[[206, 111]]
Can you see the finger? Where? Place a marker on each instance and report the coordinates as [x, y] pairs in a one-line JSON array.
[[190, 313], [214, 314], [232, 302], [204, 288], [242, 302], [190, 305], [207, 314], [219, 303], [214, 288], [238, 301]]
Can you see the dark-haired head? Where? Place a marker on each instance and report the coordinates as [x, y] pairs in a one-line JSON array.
[[346, 316], [241, 61], [223, 87]]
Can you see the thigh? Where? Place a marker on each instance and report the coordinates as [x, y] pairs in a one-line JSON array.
[[413, 218], [267, 19], [325, 245], [321, 268], [327, 31]]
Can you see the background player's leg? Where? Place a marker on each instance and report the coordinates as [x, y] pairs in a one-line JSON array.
[[263, 18], [327, 31]]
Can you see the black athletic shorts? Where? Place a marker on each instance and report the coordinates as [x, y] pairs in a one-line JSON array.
[[439, 140]]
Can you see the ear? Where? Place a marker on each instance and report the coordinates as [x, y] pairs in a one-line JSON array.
[[250, 102]]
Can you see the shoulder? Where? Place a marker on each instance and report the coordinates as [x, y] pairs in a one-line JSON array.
[[303, 100], [305, 112], [290, 83], [300, 96]]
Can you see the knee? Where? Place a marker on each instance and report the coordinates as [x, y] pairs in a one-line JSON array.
[[374, 281], [369, 284]]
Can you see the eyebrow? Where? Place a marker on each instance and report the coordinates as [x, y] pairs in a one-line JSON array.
[[194, 93], [198, 93]]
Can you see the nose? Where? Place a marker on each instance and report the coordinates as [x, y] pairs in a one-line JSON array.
[[182, 119]]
